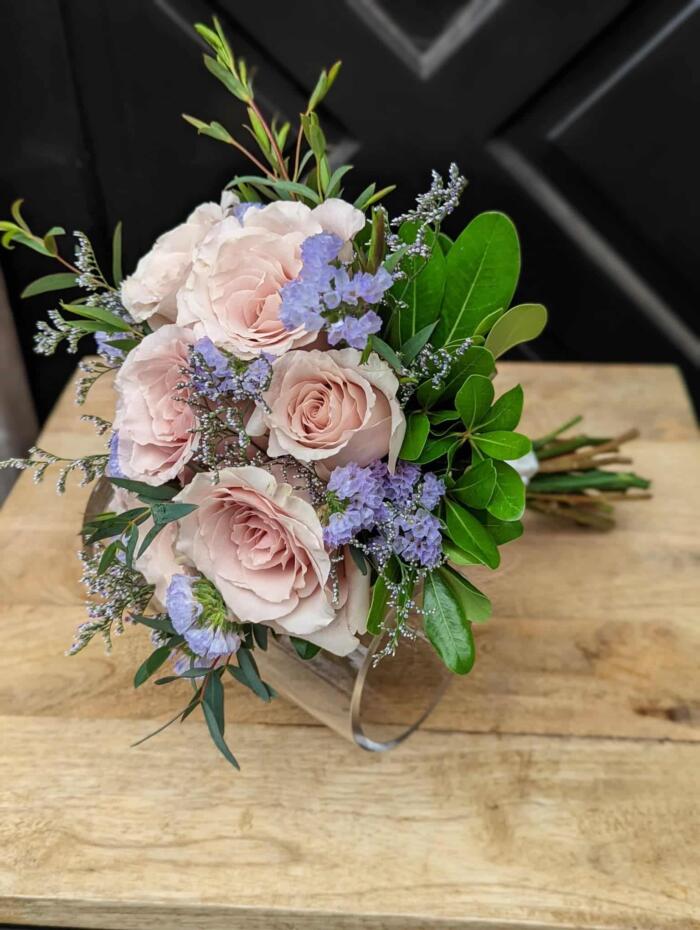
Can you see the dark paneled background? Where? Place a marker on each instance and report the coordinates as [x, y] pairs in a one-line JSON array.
[[577, 117]]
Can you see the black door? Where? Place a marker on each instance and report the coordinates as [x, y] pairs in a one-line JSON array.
[[576, 117]]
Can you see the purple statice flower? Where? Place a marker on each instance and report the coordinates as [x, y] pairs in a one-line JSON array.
[[353, 330], [419, 538], [256, 377], [213, 358], [349, 481], [300, 306], [364, 286], [400, 485], [343, 526], [318, 251], [113, 469], [432, 489], [240, 210]]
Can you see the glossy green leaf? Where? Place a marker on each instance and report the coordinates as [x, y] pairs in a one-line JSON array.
[[475, 487], [417, 430], [488, 322], [474, 399], [501, 531], [469, 534], [505, 413], [519, 324], [508, 500], [482, 271], [434, 449], [502, 444], [421, 290], [412, 346], [456, 555], [446, 625], [112, 322], [477, 607], [50, 282], [475, 361]]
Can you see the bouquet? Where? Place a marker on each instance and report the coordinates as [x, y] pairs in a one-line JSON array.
[[307, 440]]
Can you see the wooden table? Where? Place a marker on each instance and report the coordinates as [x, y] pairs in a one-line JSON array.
[[555, 787]]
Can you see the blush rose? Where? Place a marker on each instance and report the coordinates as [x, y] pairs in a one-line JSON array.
[[261, 545], [232, 294], [327, 407], [152, 420]]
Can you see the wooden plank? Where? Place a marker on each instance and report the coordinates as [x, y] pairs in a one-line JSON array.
[[522, 831], [514, 807]]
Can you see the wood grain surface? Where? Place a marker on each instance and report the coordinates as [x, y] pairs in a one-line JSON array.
[[557, 786]]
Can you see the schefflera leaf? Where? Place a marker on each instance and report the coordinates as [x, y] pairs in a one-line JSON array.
[[508, 499], [520, 324], [446, 624], [482, 268]]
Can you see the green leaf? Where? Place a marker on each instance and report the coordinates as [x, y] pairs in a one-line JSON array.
[[50, 282], [466, 531], [519, 324], [230, 82], [508, 501], [151, 665], [604, 480], [214, 697], [386, 352], [411, 348], [475, 487], [260, 634], [487, 322], [417, 430], [112, 322], [168, 511], [474, 399], [445, 242], [501, 531], [380, 596], [304, 649], [155, 623], [217, 735], [502, 444], [477, 607], [475, 361], [434, 449], [421, 290], [505, 413], [284, 187], [117, 271], [456, 555], [359, 559], [248, 666], [149, 537], [108, 557], [482, 271], [154, 492], [446, 625]]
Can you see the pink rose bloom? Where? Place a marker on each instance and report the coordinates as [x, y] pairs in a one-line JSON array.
[[158, 563], [326, 407], [232, 294], [153, 425], [151, 290], [261, 545]]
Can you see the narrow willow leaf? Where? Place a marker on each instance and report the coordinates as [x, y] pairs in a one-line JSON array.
[[248, 666], [417, 430], [482, 271], [469, 534], [475, 487], [117, 271], [386, 352], [505, 413], [519, 324], [477, 607], [412, 346], [446, 625], [155, 623], [475, 361], [502, 444], [260, 634], [508, 501], [108, 557], [50, 282], [155, 492], [217, 736], [112, 322], [474, 399], [151, 665], [214, 697]]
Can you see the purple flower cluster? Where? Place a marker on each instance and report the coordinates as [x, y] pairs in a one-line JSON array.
[[394, 508], [113, 469], [212, 374], [313, 299], [206, 632]]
